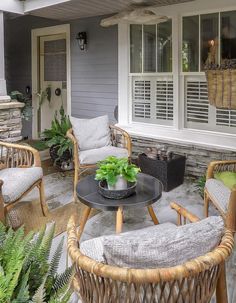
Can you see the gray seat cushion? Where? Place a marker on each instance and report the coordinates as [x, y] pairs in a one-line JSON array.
[[219, 193], [92, 156], [168, 246], [91, 133], [18, 180]]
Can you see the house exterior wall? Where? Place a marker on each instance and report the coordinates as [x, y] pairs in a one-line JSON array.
[[18, 55], [94, 72]]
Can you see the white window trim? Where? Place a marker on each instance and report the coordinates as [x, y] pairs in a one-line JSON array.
[[177, 133]]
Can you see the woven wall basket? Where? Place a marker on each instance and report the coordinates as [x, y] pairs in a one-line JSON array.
[[222, 88]]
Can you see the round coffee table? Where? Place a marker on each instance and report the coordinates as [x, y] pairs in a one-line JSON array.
[[148, 191]]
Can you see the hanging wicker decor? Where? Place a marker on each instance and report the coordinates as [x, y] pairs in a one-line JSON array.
[[221, 81]]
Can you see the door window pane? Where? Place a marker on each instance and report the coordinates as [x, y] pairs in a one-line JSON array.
[[149, 40], [55, 60], [135, 48], [164, 46], [209, 39], [228, 35], [190, 47]]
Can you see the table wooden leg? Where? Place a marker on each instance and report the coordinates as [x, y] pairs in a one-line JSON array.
[[84, 219], [153, 215], [119, 220]]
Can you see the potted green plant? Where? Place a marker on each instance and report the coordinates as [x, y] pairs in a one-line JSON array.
[[116, 172], [60, 147]]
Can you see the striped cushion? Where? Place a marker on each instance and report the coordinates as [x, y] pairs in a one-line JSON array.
[[219, 193]]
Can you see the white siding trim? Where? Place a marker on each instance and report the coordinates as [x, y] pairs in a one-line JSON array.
[[185, 136]]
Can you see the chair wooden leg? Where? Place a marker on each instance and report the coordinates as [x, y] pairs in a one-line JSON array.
[[221, 287], [153, 215], [76, 179], [206, 204], [42, 199], [84, 219], [119, 220], [2, 208]]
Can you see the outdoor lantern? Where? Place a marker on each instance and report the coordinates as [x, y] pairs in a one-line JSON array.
[[82, 40]]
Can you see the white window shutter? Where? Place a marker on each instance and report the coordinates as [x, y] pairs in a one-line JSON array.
[[164, 100]]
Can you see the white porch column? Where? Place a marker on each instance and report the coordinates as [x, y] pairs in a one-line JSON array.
[[3, 90]]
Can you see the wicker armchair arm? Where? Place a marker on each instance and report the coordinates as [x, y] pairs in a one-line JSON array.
[[218, 166], [71, 136], [126, 137], [183, 214], [16, 155]]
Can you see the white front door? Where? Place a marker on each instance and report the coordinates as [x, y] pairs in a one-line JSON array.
[[52, 78]]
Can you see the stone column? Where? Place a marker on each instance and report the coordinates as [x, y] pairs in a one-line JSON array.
[[10, 111]]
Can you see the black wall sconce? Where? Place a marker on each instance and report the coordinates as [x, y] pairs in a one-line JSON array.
[[82, 40]]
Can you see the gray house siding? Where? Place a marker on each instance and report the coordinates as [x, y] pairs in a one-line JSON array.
[[95, 71]]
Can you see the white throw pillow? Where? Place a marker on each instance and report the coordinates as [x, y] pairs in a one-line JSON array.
[[91, 133]]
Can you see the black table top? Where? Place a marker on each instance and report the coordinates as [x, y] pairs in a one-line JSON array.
[[148, 191]]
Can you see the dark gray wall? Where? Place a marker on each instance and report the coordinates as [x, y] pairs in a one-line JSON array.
[[18, 55], [95, 71]]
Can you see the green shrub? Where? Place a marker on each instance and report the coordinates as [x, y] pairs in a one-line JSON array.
[[201, 185], [26, 274]]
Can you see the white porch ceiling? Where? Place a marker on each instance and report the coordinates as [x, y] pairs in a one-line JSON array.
[[76, 9]]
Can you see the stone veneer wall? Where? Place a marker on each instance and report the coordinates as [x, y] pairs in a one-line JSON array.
[[197, 158], [10, 121]]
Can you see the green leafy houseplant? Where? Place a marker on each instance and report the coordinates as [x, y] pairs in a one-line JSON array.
[[26, 274], [55, 137], [201, 185], [112, 168]]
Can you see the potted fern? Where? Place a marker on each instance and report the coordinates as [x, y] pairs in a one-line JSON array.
[[27, 273], [117, 172], [60, 147]]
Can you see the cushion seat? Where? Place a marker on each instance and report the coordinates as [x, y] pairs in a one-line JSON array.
[[92, 156], [16, 181], [219, 193]]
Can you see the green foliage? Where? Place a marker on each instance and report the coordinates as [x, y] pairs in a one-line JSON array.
[[56, 135], [201, 185], [26, 274], [27, 109], [112, 167]]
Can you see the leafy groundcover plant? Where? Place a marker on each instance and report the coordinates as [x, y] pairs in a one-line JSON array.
[[112, 167], [26, 274]]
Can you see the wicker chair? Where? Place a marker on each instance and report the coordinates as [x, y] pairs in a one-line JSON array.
[[220, 196], [119, 138], [192, 282], [20, 172]]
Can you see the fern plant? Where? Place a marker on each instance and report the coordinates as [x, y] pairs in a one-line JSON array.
[[56, 135], [26, 273]]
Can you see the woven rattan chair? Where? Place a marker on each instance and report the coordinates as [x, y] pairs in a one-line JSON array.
[[192, 282], [20, 172], [119, 138], [220, 196]]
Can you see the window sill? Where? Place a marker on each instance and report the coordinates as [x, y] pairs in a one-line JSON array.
[[207, 139]]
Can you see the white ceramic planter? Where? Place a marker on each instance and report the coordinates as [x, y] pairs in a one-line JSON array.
[[121, 183]]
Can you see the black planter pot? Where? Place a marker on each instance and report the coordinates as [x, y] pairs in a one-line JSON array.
[[66, 156]]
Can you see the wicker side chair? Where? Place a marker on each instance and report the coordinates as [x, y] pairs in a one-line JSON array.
[[20, 172], [119, 138], [192, 282], [221, 197]]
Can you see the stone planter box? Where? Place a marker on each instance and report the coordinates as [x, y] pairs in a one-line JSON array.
[[170, 173]]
